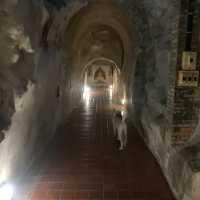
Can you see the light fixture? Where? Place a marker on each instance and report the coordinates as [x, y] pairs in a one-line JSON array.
[[111, 92], [86, 88], [123, 101], [6, 192], [86, 95]]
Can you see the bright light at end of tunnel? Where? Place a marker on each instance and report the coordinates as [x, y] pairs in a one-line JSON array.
[[123, 101], [86, 95], [6, 192], [86, 92], [111, 92], [86, 89]]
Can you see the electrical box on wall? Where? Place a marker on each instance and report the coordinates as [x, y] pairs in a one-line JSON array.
[[189, 60], [188, 78]]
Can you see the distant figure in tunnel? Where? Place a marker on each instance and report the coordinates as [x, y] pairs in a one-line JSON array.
[[120, 129]]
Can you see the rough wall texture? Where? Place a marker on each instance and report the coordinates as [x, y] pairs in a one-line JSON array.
[[180, 165], [32, 89]]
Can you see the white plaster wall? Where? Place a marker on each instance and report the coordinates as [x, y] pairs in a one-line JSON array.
[[38, 113], [34, 80]]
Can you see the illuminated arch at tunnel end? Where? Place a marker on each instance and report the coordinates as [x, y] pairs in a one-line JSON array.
[[101, 59]]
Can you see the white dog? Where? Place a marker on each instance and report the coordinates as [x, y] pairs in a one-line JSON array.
[[120, 129]]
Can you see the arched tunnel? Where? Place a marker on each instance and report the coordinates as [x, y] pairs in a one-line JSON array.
[[69, 69]]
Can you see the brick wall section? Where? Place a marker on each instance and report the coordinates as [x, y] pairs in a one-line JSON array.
[[186, 99]]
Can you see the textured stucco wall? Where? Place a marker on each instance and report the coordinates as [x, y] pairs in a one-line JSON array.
[[34, 88], [157, 79]]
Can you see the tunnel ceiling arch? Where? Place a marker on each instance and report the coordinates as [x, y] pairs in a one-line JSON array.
[[100, 29], [101, 60], [100, 41]]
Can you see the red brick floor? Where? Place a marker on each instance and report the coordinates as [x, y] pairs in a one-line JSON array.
[[84, 163]]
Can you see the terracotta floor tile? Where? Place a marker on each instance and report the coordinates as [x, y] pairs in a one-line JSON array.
[[83, 162]]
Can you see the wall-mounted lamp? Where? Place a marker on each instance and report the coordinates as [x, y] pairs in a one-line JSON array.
[[6, 192]]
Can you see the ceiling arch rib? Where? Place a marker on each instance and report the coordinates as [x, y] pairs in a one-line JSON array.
[[101, 60]]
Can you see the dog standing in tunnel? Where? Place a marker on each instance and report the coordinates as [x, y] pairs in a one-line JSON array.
[[120, 129]]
